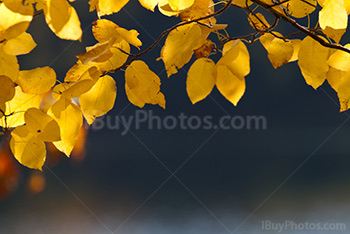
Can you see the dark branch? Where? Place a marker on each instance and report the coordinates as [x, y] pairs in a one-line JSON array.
[[301, 28]]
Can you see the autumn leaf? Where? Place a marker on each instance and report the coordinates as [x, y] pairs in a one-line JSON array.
[[15, 18], [204, 50], [70, 119], [300, 8], [313, 70], [119, 57], [7, 89], [99, 99], [41, 125], [36, 81], [340, 60], [229, 85], [200, 8], [105, 30], [149, 4], [16, 107], [179, 5], [107, 7], [62, 19], [257, 21], [97, 53], [236, 58], [200, 79], [242, 3], [83, 84], [340, 82], [8, 64], [179, 46], [165, 8], [333, 15], [296, 47], [142, 85], [279, 51], [27, 148], [22, 44]]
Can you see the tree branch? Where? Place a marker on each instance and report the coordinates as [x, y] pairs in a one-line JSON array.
[[301, 28]]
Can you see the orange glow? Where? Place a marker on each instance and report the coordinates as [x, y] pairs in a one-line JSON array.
[[9, 173], [79, 151], [36, 182]]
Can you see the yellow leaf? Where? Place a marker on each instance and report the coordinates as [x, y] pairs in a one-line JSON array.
[[27, 149], [300, 8], [165, 8], [236, 58], [130, 36], [280, 52], [149, 4], [333, 15], [204, 50], [96, 53], [313, 61], [340, 60], [179, 46], [179, 5], [242, 3], [8, 65], [15, 18], [340, 82], [230, 52], [296, 46], [334, 77], [258, 22], [107, 7], [59, 89], [335, 34], [7, 89], [321, 2], [347, 6], [229, 85], [83, 84], [37, 81], [142, 85], [200, 8], [17, 106], [118, 59], [41, 125], [200, 79], [62, 19], [99, 99], [69, 118], [105, 30], [19, 45]]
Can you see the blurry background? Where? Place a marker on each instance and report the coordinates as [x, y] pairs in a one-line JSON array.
[[229, 181]]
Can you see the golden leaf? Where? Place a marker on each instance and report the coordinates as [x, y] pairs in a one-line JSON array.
[[99, 99], [142, 85], [200, 79]]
